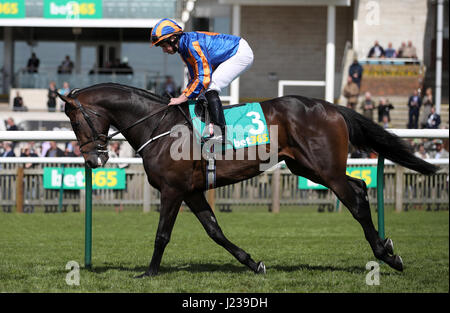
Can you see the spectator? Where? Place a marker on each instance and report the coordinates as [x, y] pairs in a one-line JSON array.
[[434, 119], [390, 52], [356, 71], [33, 64], [400, 50], [28, 152], [384, 108], [385, 121], [414, 104], [76, 150], [18, 103], [66, 66], [54, 151], [8, 181], [409, 51], [422, 153], [8, 150], [52, 95], [10, 124], [63, 91], [368, 105], [376, 51], [351, 92], [114, 149], [30, 192], [169, 88], [440, 153], [427, 104]]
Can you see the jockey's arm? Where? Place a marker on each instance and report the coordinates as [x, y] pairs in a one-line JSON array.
[[182, 98]]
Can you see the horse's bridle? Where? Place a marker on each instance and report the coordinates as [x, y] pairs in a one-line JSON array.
[[102, 148]]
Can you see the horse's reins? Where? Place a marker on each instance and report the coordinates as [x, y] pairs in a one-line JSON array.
[[96, 136]]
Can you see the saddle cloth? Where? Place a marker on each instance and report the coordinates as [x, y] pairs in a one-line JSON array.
[[246, 124]]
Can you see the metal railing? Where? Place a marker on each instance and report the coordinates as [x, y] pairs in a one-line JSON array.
[[415, 189]]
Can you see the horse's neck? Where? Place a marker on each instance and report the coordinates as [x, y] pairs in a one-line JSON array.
[[124, 114]]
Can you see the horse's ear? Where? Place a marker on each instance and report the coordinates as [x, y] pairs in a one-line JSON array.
[[66, 99]]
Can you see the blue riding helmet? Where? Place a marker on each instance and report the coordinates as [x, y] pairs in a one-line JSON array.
[[164, 29]]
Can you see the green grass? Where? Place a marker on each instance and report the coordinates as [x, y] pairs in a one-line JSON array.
[[304, 251]]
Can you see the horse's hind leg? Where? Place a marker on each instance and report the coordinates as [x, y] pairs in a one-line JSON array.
[[353, 194], [200, 207]]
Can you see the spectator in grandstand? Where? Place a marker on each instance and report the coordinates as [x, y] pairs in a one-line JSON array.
[[52, 95], [368, 105], [54, 151], [18, 103], [434, 119], [400, 50], [356, 72], [351, 92], [421, 152], [66, 66], [440, 152], [8, 150], [384, 108], [414, 104], [63, 91], [10, 124], [376, 51], [427, 104], [33, 64], [390, 52], [409, 51]]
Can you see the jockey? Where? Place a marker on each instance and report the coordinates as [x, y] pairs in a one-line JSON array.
[[213, 60]]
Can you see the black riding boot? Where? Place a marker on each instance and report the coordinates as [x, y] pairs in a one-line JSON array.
[[216, 111]]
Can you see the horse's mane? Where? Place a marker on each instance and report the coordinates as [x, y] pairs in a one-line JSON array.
[[137, 91]]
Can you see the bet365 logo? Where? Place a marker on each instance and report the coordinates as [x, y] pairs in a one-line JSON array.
[[73, 9]]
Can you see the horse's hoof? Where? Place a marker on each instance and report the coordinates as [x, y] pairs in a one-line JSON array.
[[398, 263], [389, 246], [261, 268]]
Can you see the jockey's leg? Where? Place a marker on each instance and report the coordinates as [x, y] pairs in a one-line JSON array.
[[222, 76]]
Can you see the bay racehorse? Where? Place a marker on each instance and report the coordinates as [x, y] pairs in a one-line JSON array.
[[313, 140]]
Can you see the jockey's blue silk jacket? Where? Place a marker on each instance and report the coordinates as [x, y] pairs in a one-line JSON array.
[[203, 52]]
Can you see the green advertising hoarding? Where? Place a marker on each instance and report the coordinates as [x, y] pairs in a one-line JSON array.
[[102, 178], [12, 9], [70, 9], [368, 174], [88, 9]]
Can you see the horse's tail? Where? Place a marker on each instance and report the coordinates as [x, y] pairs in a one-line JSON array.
[[366, 135]]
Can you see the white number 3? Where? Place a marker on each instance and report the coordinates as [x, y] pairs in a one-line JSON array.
[[257, 121]]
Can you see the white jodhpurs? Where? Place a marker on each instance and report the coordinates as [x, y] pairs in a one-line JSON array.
[[232, 68]]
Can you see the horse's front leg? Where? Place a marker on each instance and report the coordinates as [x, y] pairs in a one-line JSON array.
[[170, 206], [200, 207]]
